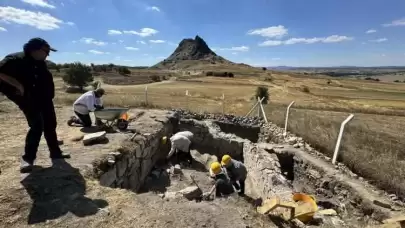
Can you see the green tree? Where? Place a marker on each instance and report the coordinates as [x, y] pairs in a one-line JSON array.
[[261, 92], [124, 70], [79, 75]]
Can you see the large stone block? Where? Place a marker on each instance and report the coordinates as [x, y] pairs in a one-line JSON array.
[[108, 178], [122, 166], [191, 193], [93, 138]]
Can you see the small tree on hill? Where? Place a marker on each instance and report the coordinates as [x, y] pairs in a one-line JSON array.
[[261, 92], [79, 75], [124, 70]]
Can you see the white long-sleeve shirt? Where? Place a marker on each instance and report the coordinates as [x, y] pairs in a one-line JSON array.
[[180, 143], [85, 103], [188, 134]]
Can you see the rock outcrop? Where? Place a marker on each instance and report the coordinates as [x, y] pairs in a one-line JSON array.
[[192, 50]]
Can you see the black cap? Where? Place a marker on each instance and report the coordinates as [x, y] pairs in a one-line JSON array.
[[100, 91], [37, 43]]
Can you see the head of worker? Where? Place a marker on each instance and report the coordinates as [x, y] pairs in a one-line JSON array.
[[38, 49], [226, 160], [99, 92], [215, 168]]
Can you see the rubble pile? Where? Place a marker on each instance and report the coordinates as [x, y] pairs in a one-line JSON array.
[[226, 118]]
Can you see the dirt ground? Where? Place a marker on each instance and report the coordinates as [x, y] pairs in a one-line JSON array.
[[60, 196]]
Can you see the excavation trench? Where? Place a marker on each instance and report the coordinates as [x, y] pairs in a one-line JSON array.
[[273, 170]]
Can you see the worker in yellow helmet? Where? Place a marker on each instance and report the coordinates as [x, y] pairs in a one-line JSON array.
[[223, 185], [236, 171]]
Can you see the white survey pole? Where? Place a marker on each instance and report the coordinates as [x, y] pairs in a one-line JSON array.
[[339, 139], [253, 108], [146, 94], [258, 108], [286, 117], [187, 99], [264, 114], [223, 104]]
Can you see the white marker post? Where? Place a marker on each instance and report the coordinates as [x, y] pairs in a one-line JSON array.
[[287, 113], [187, 99], [259, 101], [223, 104], [264, 114], [253, 108], [342, 127], [146, 94]]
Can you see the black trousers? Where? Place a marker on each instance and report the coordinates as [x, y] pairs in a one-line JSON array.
[[183, 156], [240, 186], [85, 119], [41, 118]]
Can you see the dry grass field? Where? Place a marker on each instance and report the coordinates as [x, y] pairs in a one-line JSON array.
[[373, 141]]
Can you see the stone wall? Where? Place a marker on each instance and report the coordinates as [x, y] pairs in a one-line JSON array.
[[129, 167], [265, 178], [250, 132], [265, 173], [208, 138]]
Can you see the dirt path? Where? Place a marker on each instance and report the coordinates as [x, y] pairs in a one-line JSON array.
[[61, 196]]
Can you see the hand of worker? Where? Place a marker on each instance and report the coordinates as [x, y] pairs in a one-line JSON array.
[[206, 195], [98, 107]]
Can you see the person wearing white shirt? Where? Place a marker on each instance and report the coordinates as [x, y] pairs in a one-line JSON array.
[[180, 144], [86, 103]]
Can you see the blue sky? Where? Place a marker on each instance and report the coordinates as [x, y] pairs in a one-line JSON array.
[[257, 32]]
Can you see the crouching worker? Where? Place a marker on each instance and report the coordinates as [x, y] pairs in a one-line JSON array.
[[236, 171], [86, 103], [180, 146], [222, 186]]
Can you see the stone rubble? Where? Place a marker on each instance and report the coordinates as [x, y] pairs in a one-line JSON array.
[[227, 118]]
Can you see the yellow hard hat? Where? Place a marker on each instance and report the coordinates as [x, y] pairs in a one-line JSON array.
[[216, 167], [226, 159], [164, 140]]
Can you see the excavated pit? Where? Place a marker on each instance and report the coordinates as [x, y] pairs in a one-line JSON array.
[[272, 170]]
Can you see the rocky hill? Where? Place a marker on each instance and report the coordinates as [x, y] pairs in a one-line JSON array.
[[191, 52]]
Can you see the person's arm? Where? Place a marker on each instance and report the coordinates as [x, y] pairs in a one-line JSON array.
[[7, 66], [89, 100], [172, 150], [99, 102]]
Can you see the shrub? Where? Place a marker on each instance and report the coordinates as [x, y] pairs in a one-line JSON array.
[[219, 74], [264, 68], [268, 79], [78, 75], [124, 71], [305, 89], [155, 78], [261, 92]]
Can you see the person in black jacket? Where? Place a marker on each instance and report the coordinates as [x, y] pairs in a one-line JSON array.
[[26, 80]]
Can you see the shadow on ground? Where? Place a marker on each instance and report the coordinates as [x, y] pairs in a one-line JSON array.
[[94, 129], [57, 190]]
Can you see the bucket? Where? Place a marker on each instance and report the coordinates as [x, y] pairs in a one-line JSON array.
[[304, 198]]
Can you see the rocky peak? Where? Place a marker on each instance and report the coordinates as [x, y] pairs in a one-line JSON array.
[[192, 49]]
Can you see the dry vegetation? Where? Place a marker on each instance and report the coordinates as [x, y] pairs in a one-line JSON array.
[[373, 141]]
